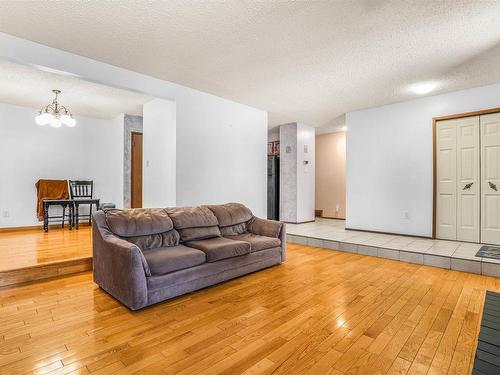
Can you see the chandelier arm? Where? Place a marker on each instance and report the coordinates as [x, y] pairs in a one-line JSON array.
[[49, 107], [66, 110]]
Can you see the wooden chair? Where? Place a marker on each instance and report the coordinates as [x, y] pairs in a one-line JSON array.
[[82, 193], [50, 218], [53, 193]]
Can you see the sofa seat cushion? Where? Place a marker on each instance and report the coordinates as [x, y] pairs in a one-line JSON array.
[[257, 243], [169, 259], [220, 248]]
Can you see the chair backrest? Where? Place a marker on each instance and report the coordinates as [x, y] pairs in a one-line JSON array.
[[81, 189]]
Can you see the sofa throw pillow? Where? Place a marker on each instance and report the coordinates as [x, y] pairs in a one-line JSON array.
[[138, 221], [194, 223], [192, 217], [231, 213]]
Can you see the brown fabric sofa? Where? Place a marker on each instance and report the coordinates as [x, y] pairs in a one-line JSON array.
[[144, 256]]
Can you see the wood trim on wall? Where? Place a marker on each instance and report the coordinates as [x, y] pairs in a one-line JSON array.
[[434, 176], [467, 114], [36, 226], [434, 157], [297, 222], [132, 167], [331, 217]]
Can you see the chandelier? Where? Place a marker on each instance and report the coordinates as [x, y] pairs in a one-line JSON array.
[[55, 114]]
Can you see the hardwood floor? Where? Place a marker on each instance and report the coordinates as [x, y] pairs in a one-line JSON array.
[[31, 254], [33, 247], [321, 312]]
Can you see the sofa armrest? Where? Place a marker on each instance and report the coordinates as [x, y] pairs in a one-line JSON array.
[[264, 227], [270, 228], [119, 266]]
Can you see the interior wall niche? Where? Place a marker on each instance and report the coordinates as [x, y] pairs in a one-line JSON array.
[[131, 124]]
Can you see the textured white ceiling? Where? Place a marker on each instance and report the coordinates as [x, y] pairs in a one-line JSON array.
[[301, 61], [32, 87]]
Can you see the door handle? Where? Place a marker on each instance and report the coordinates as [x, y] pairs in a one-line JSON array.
[[492, 186], [468, 186]]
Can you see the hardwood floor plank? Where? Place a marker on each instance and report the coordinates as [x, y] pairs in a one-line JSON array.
[[321, 312]]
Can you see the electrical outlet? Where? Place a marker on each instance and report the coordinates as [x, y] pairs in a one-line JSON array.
[[406, 216], [337, 207], [6, 213]]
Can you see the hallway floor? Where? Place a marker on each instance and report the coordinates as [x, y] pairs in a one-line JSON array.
[[331, 233]]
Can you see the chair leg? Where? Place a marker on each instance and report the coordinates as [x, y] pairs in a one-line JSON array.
[[77, 218], [63, 214], [71, 217], [46, 217], [90, 215]]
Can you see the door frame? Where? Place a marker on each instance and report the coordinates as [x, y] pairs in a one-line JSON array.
[[132, 165], [434, 153]]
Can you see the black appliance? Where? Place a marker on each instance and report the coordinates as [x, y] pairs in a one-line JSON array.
[[273, 187]]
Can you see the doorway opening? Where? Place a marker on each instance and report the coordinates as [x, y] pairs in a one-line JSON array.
[[136, 170], [330, 175]]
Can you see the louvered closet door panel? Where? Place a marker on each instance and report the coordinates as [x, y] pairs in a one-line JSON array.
[[446, 179], [468, 179], [490, 178]]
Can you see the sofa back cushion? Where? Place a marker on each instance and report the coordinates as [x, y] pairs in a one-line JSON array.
[[232, 217], [148, 228], [194, 223]]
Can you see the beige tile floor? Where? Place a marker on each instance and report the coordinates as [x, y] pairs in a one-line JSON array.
[[331, 233]]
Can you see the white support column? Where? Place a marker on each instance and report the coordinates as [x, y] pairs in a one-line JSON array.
[[297, 173]]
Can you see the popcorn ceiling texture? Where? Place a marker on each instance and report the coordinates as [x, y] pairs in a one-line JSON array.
[[30, 87], [306, 62]]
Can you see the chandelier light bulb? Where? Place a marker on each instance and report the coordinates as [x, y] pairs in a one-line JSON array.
[[55, 122], [41, 119], [68, 121], [55, 114]]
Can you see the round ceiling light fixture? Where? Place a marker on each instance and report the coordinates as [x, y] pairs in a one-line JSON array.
[[423, 88], [55, 114]]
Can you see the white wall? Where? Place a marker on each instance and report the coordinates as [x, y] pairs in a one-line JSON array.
[[221, 145], [390, 159], [297, 168], [221, 153], [92, 150], [159, 155]]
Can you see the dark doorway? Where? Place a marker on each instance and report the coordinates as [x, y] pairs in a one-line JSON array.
[[136, 171]]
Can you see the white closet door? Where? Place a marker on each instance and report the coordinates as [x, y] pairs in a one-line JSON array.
[[446, 179], [490, 178], [468, 179]]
